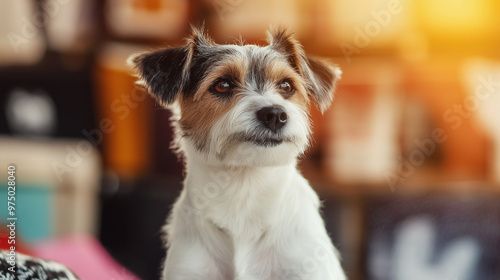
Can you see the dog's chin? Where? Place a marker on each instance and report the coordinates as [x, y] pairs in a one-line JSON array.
[[266, 142], [253, 151]]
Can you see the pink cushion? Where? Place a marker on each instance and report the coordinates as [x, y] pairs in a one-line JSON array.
[[85, 256]]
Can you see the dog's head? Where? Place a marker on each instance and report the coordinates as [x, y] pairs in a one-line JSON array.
[[239, 104]]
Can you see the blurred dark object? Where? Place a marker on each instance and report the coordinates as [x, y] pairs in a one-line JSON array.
[[57, 86], [133, 214], [342, 221], [433, 237], [166, 161]]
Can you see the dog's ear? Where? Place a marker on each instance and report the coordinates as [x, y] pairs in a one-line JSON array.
[[165, 73], [162, 72], [321, 77]]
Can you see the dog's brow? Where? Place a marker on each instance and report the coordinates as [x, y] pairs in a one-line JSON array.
[[259, 60], [202, 64]]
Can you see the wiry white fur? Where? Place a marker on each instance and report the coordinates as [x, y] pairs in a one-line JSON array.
[[247, 223], [246, 213], [249, 215]]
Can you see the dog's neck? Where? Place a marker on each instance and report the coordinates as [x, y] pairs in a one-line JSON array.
[[198, 164], [198, 167], [252, 194]]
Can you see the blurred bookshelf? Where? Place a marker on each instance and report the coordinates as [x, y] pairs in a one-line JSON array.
[[412, 141]]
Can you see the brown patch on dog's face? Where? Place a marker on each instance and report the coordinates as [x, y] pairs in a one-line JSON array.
[[232, 67], [198, 117], [281, 72], [301, 99], [201, 111]]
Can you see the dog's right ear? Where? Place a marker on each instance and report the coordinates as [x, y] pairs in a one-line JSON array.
[[165, 73]]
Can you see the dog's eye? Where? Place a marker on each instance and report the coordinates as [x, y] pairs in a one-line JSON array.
[[286, 87], [222, 86]]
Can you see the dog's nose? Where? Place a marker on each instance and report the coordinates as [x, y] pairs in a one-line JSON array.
[[273, 117]]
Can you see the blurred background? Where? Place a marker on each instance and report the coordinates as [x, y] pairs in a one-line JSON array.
[[407, 160]]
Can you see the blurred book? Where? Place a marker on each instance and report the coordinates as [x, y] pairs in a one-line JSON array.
[[251, 19], [21, 41], [71, 24], [57, 186], [124, 112], [364, 123], [149, 19], [482, 78]]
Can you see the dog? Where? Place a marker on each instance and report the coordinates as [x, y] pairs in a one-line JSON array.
[[240, 116]]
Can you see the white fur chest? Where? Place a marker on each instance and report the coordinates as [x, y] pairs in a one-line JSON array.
[[241, 201]]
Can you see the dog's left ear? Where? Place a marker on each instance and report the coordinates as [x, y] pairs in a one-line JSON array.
[[321, 77]]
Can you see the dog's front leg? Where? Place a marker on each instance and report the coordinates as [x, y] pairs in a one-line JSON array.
[[197, 249], [189, 260], [271, 265], [320, 262]]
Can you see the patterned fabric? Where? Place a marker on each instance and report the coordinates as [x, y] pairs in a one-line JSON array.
[[30, 268]]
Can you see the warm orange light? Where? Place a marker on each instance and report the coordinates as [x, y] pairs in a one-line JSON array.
[[456, 17]]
